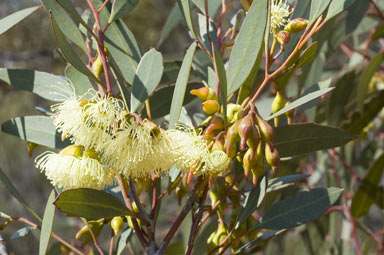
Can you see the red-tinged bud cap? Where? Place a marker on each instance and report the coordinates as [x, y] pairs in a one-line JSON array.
[[266, 131], [283, 38], [204, 93], [296, 25], [245, 129], [211, 106], [272, 156], [217, 123]]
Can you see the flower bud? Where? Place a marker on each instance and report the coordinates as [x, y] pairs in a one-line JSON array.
[[266, 131], [277, 104], [91, 153], [245, 130], [181, 191], [248, 163], [217, 123], [204, 93], [218, 145], [142, 183], [129, 218], [95, 226], [231, 138], [283, 38], [117, 224], [296, 25], [97, 67], [31, 148], [72, 150], [254, 138], [233, 112], [210, 106], [272, 156], [290, 113]]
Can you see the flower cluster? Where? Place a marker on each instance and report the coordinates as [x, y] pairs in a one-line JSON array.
[[279, 14], [120, 144]]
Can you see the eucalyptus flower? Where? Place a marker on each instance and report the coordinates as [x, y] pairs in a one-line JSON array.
[[280, 12], [69, 171]]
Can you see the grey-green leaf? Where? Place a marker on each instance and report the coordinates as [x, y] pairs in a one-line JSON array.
[[80, 82], [65, 22], [284, 181], [174, 18], [317, 8], [90, 204], [120, 8], [14, 18], [70, 55], [221, 74], [258, 240], [47, 225], [148, 75], [21, 232], [301, 101], [185, 8], [304, 207], [12, 189], [46, 85], [123, 240], [247, 45], [369, 71], [35, 129], [181, 84], [337, 6], [303, 138]]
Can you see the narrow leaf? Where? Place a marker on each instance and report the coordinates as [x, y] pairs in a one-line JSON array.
[[366, 193], [222, 76], [12, 189], [308, 55], [148, 75], [207, 36], [14, 18], [35, 129], [302, 138], [185, 8], [46, 85], [124, 238], [70, 55], [338, 6], [21, 232], [301, 101], [181, 84], [366, 78], [83, 87], [120, 8], [304, 207], [47, 225], [213, 6], [64, 22], [317, 8], [247, 45], [252, 201], [254, 243], [174, 18], [284, 181], [90, 204]]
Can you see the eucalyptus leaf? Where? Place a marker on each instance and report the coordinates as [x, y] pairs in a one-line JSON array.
[[90, 204], [247, 45], [46, 85], [120, 8], [181, 84], [213, 6], [317, 8], [295, 139], [148, 75], [47, 225], [174, 19], [11, 20], [254, 243], [284, 181], [221, 74], [81, 84], [124, 238], [338, 6], [21, 232], [304, 207], [185, 8], [35, 129]]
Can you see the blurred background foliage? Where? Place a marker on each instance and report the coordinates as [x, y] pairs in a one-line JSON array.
[[31, 45]]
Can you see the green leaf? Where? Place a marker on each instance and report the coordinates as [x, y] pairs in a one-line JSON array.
[[301, 101], [124, 238], [120, 8], [161, 102], [317, 8], [337, 6], [181, 84], [284, 181], [252, 201], [366, 193], [21, 232], [12, 189], [264, 237], [221, 74], [185, 8], [122, 45], [83, 87], [35, 129], [174, 18], [304, 207], [65, 22], [379, 33], [213, 6], [297, 139], [70, 55], [47, 225], [207, 36], [90, 204], [148, 75], [247, 45], [171, 70], [14, 18], [46, 85], [357, 120], [308, 55], [369, 71]]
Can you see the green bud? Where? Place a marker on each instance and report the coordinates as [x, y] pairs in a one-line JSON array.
[[278, 104], [272, 156], [95, 226], [234, 112], [296, 25], [245, 130], [266, 131], [210, 106], [97, 67], [31, 148], [117, 224]]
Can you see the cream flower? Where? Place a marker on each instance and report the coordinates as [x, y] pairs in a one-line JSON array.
[[218, 162], [279, 14], [69, 172], [89, 122], [138, 149]]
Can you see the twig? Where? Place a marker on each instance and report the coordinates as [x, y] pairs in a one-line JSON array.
[[94, 238], [111, 244], [379, 12]]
